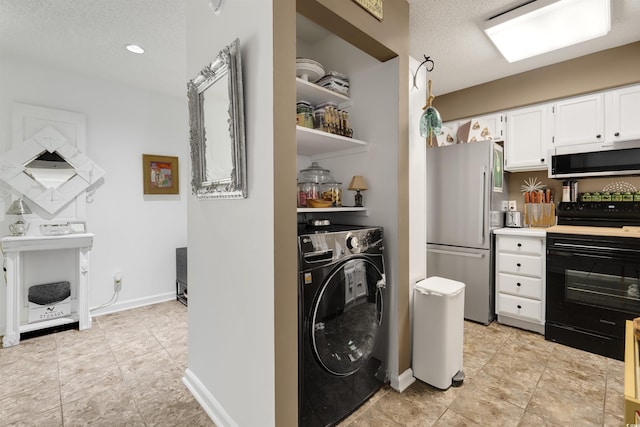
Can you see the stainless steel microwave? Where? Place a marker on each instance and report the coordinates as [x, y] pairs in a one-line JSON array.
[[609, 160]]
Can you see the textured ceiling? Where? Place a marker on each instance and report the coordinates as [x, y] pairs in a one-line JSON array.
[[88, 37], [450, 32]]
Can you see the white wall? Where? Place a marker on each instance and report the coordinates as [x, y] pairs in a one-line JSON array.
[[417, 181], [231, 243], [134, 234]]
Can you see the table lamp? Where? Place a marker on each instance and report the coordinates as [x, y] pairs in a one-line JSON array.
[[358, 184], [19, 207]]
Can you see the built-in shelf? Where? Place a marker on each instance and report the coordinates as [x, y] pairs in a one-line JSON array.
[[313, 142], [315, 94], [340, 209]]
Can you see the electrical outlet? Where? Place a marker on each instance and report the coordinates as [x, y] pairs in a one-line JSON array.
[[505, 205], [117, 282], [513, 206]]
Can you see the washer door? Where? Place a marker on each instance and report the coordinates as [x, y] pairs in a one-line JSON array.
[[347, 315]]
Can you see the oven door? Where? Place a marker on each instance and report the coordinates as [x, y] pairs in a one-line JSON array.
[[592, 288]]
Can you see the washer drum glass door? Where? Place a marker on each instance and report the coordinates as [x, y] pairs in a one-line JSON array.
[[347, 316]]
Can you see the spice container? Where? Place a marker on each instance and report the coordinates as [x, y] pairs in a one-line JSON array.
[[587, 197], [321, 115], [627, 197], [606, 196], [616, 197], [304, 116]]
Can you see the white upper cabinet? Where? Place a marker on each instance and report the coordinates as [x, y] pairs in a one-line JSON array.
[[528, 138], [481, 128], [495, 124], [623, 121], [579, 120]]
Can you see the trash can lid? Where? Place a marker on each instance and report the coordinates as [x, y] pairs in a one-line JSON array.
[[440, 285]]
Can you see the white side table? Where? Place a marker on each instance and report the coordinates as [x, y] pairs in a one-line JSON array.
[[13, 248]]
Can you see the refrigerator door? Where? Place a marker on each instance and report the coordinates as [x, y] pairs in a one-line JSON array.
[[459, 187], [471, 267]]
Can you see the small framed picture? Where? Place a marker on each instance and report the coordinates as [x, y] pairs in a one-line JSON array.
[[160, 174]]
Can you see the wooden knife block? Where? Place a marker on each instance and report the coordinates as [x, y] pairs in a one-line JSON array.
[[540, 214]]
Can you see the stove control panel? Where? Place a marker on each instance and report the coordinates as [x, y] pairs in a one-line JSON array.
[[607, 214]]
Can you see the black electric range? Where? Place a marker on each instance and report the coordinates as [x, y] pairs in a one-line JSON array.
[[593, 275]]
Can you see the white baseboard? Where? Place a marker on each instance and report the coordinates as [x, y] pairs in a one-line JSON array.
[[121, 306], [134, 303], [402, 381], [210, 405]]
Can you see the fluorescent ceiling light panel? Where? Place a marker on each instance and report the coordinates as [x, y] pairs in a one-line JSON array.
[[545, 25]]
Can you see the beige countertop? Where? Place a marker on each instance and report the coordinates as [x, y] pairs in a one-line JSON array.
[[596, 231], [524, 231]]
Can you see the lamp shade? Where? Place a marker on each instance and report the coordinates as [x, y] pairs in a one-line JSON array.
[[18, 207], [358, 184]]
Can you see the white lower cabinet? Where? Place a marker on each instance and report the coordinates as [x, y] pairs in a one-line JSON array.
[[520, 277]]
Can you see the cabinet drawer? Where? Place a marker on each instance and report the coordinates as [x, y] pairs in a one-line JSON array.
[[520, 264], [520, 244], [527, 287], [520, 307]]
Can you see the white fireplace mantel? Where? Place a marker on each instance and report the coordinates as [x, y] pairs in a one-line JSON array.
[[13, 248]]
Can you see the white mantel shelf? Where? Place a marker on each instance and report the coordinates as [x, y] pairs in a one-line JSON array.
[[13, 248], [44, 243]]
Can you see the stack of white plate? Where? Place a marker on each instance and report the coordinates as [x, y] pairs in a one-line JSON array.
[[308, 69]]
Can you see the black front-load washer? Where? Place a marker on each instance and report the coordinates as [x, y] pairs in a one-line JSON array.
[[342, 344]]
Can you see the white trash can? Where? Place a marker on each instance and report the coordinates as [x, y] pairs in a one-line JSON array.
[[438, 331]]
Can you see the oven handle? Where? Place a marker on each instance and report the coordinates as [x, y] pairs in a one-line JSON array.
[[576, 249]]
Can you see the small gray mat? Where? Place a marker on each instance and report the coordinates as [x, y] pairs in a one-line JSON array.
[[49, 293]]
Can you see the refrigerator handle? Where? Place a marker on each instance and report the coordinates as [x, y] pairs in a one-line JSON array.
[[464, 254], [483, 189]]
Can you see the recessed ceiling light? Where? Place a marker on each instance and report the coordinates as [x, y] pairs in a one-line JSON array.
[[134, 48]]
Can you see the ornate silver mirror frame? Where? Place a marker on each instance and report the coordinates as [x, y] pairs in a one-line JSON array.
[[216, 119]]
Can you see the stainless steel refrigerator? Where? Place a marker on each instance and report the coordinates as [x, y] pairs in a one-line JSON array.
[[465, 203]]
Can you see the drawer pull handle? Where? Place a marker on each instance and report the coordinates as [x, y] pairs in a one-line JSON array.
[[519, 245], [519, 265], [519, 306], [518, 284]]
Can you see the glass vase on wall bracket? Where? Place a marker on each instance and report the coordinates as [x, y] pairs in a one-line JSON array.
[[430, 121]]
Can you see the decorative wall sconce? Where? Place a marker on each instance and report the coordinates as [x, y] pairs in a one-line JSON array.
[[19, 208], [358, 184]]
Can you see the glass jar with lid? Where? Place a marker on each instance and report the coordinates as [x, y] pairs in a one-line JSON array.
[[307, 190], [332, 191], [315, 173], [304, 116]]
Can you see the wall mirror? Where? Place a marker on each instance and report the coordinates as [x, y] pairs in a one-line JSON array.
[[49, 170], [216, 119]]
